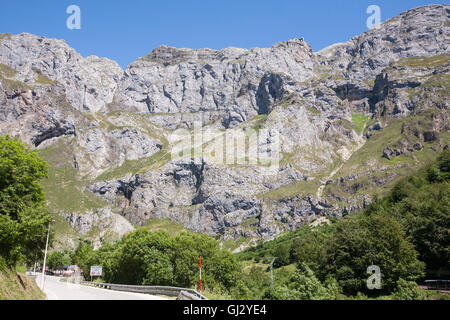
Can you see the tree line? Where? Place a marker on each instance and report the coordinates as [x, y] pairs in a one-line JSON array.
[[405, 234], [144, 257]]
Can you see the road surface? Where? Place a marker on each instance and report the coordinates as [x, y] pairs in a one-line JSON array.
[[56, 290]]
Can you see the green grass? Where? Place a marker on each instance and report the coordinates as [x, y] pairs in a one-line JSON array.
[[154, 224], [102, 121], [66, 193], [427, 294], [360, 120], [435, 295], [308, 154], [292, 190], [434, 61], [370, 83], [21, 268], [313, 110], [232, 245], [369, 161], [373, 149], [14, 84], [44, 80], [138, 121], [215, 294], [258, 121], [64, 189], [137, 166], [6, 71], [395, 169], [439, 83], [349, 125]]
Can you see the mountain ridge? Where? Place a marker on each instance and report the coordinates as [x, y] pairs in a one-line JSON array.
[[352, 118]]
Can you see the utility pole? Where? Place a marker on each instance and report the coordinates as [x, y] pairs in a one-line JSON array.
[[45, 257], [200, 274], [271, 274]]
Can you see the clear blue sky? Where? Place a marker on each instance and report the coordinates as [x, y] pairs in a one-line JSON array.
[[126, 30]]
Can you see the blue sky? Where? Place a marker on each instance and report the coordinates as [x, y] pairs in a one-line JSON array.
[[126, 30]]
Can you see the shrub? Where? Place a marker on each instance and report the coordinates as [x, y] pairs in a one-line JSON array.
[[407, 290]]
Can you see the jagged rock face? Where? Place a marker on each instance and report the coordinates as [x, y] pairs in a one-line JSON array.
[[105, 220], [25, 113], [241, 83], [90, 82], [328, 108], [106, 149], [418, 32]]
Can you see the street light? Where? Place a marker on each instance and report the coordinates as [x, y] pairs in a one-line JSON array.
[[45, 255], [271, 274]]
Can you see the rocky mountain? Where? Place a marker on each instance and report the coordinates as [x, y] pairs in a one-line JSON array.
[[345, 123]]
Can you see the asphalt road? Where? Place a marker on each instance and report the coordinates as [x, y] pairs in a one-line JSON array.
[[56, 290]]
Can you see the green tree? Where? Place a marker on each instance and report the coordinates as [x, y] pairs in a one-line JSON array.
[[84, 257], [434, 174], [224, 269], [440, 171], [136, 254], [443, 162], [188, 248], [304, 285], [375, 239], [23, 215], [424, 214], [283, 253], [426, 220], [159, 269], [107, 256], [257, 281], [311, 247], [55, 260]]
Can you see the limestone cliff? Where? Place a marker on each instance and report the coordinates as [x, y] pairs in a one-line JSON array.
[[351, 119]]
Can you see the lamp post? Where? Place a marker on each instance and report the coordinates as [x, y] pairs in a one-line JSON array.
[[34, 269], [271, 274], [45, 256]]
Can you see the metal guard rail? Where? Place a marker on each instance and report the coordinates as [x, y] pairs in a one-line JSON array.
[[180, 293]]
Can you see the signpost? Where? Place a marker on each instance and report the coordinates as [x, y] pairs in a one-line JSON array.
[[96, 271]]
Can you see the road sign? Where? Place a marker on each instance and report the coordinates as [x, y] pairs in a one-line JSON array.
[[96, 271]]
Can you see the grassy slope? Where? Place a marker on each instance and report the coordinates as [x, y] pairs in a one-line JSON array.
[[64, 189], [17, 286], [369, 157], [369, 162], [310, 187], [154, 224]]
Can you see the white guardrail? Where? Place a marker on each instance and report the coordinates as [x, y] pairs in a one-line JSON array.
[[180, 293]]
